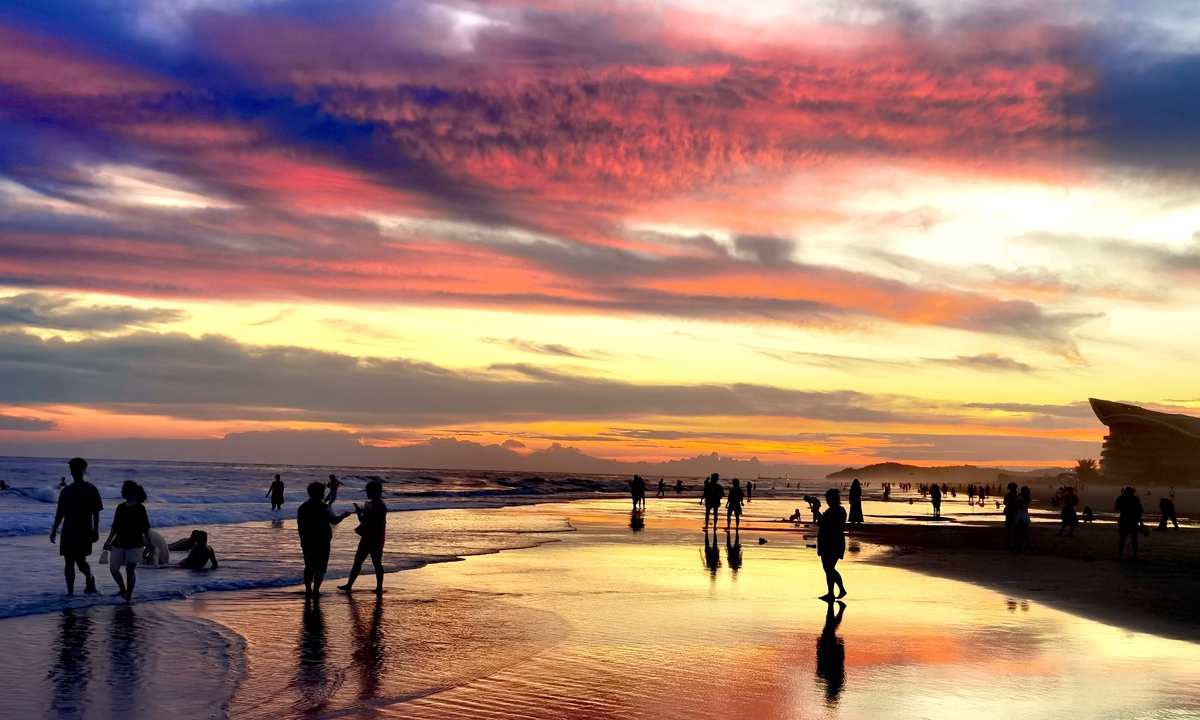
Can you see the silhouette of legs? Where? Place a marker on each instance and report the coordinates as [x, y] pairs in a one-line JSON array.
[[376, 553], [832, 577], [70, 561]]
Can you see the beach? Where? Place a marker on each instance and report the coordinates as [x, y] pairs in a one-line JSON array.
[[592, 615]]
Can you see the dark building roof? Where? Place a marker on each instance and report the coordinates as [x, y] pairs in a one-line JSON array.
[[1114, 413]]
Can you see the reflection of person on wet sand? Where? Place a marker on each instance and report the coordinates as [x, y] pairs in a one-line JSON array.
[[831, 541], [70, 673], [637, 520], [733, 551], [831, 655], [712, 553], [311, 675], [370, 650]]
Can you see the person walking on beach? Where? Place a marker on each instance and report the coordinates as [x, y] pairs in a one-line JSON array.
[[831, 541], [372, 528], [314, 522], [1070, 519], [1166, 507], [78, 512], [662, 488], [1129, 519], [733, 506], [127, 536], [275, 492], [1021, 520], [711, 498], [856, 516], [935, 497]]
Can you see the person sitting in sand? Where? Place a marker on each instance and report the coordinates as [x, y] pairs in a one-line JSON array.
[[372, 528], [1087, 514], [314, 522], [831, 541], [733, 506], [200, 553], [795, 517], [1129, 509], [156, 552], [127, 537]]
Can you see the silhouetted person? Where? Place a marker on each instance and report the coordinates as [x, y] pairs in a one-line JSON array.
[[733, 551], [1166, 507], [733, 506], [935, 498], [275, 492], [711, 498], [678, 486], [1010, 514], [749, 491], [831, 655], [1068, 516], [712, 553], [831, 541], [1129, 509], [333, 486], [62, 482], [78, 512], [372, 529], [156, 551], [200, 553], [637, 491], [127, 537], [1021, 519], [197, 537], [314, 523], [796, 517], [662, 488], [856, 515], [1087, 514]]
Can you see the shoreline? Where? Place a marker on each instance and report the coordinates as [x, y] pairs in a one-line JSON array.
[[1078, 575]]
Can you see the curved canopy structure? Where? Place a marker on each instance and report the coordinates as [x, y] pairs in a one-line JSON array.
[[1145, 446]]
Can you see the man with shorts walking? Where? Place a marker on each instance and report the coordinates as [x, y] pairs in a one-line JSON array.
[[78, 512]]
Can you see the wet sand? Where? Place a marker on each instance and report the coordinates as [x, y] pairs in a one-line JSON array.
[[1077, 574], [619, 619]]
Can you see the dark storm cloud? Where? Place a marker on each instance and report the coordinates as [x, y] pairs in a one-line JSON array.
[[59, 312], [177, 372]]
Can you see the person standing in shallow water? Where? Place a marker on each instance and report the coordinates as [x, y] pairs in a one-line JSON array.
[[128, 535], [79, 507], [275, 492], [314, 522], [711, 498], [372, 529], [856, 516], [831, 541], [935, 497]]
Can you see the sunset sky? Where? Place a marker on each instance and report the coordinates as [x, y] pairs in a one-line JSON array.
[[812, 232]]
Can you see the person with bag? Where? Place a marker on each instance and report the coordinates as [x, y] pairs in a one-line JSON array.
[[127, 537], [372, 528]]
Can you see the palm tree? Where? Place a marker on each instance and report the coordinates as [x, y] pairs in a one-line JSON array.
[[1085, 469]]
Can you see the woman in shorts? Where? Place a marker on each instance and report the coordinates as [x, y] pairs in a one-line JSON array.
[[127, 537]]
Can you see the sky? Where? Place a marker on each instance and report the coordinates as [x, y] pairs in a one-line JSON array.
[[811, 232]]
